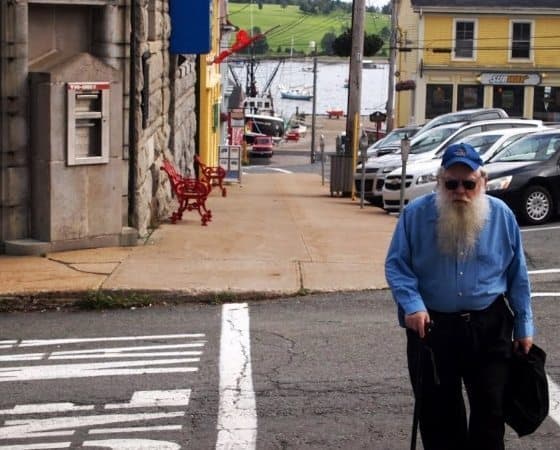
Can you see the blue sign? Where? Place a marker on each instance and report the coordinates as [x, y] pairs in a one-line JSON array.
[[191, 26]]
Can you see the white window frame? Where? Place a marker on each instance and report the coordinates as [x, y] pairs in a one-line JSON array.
[[475, 32], [531, 41]]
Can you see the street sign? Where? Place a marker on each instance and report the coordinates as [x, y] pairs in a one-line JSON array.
[[377, 116]]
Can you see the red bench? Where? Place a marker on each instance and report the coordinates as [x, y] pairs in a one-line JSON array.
[[190, 192], [212, 174], [335, 113]]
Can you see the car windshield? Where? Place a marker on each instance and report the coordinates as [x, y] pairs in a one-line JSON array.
[[508, 141], [481, 143], [392, 139], [431, 139], [448, 119], [536, 147]]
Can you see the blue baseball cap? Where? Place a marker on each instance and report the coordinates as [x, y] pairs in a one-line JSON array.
[[461, 154]]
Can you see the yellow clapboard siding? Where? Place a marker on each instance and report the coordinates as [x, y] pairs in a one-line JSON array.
[[492, 41]]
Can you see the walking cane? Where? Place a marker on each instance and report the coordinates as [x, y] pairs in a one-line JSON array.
[[423, 347], [417, 397]]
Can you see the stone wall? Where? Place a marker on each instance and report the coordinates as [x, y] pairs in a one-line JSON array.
[[168, 129], [14, 157]]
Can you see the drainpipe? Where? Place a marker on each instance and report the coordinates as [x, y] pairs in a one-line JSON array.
[[389, 125], [3, 116], [198, 101], [133, 107]]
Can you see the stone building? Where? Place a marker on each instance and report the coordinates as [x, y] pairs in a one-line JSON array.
[[78, 170]]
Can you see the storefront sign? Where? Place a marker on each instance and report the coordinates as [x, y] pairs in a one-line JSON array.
[[528, 79]]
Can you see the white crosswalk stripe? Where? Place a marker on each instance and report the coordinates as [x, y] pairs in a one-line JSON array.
[[146, 416]]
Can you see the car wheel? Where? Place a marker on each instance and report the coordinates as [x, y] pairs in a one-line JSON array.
[[536, 206]]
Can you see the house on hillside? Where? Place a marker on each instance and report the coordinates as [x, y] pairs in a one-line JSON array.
[[458, 54]]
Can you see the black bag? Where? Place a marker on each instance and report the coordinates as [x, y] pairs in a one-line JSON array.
[[526, 396]]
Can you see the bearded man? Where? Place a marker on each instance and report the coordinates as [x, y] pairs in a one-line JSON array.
[[457, 272]]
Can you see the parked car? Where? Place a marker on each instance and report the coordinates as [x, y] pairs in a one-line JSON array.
[[465, 115], [526, 175], [392, 141], [423, 147], [421, 177], [262, 146]]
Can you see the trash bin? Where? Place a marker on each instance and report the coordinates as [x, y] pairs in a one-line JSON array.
[[342, 175]]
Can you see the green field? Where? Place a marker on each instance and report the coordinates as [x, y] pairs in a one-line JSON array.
[[290, 28]]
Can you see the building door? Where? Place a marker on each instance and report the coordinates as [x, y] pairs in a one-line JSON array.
[[509, 98]]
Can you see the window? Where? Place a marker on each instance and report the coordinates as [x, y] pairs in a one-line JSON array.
[[521, 40], [464, 39], [509, 98], [438, 99], [546, 103], [470, 96]]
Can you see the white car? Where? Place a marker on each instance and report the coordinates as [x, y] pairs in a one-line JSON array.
[[424, 147], [421, 177]]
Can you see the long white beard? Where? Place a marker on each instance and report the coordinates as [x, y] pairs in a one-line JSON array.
[[460, 224]]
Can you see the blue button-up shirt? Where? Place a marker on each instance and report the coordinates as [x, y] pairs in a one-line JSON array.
[[422, 277]]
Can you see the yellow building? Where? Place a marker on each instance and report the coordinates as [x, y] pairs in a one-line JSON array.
[[210, 94], [475, 53]]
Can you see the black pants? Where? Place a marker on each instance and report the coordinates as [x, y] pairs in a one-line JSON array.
[[473, 349]]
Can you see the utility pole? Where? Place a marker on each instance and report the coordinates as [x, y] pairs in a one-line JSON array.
[[355, 75], [313, 115], [392, 61]]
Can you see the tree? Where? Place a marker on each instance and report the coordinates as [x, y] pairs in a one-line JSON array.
[[372, 44], [327, 43], [342, 45], [386, 9], [385, 33], [260, 46]]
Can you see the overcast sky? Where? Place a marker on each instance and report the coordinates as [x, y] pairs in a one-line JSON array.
[[378, 3]]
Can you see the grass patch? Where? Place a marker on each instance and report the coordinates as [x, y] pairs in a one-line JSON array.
[[97, 300], [303, 292], [220, 298]]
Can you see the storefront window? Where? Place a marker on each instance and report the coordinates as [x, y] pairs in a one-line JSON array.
[[470, 96], [438, 99], [509, 98], [546, 103]]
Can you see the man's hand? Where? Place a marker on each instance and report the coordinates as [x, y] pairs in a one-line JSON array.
[[523, 344], [418, 322]]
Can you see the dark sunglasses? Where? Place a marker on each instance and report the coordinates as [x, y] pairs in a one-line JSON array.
[[469, 185]]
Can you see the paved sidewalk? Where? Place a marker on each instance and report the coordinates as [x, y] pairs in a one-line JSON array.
[[274, 234]]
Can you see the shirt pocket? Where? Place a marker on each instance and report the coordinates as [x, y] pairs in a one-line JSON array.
[[489, 270]]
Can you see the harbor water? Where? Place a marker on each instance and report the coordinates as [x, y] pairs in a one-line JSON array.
[[331, 90]]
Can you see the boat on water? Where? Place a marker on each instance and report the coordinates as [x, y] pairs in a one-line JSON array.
[[263, 124], [258, 106], [296, 93], [298, 128], [368, 64]]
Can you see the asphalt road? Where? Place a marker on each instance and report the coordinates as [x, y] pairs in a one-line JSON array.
[[314, 372]]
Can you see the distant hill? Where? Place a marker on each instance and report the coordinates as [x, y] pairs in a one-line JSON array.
[[292, 29]]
